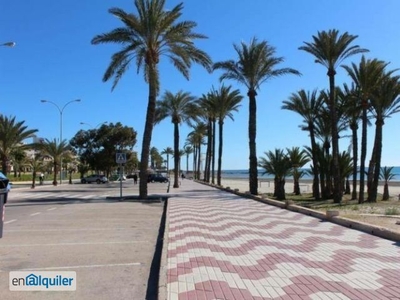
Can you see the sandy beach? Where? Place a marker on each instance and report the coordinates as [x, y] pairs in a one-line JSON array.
[[267, 186]]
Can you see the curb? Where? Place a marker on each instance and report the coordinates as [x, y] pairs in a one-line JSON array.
[[360, 226], [162, 281]]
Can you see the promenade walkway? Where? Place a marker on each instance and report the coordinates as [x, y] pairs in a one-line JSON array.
[[221, 246]]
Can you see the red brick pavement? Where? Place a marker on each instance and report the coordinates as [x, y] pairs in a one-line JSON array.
[[221, 246]]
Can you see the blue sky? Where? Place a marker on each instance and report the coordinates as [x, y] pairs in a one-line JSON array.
[[54, 60]]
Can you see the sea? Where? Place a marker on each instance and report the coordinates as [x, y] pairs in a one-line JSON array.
[[244, 174]]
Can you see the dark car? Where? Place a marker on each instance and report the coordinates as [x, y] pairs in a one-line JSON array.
[[94, 178], [157, 178]]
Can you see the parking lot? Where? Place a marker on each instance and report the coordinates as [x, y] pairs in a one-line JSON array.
[[109, 244]]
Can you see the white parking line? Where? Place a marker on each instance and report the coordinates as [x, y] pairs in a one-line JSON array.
[[53, 208], [8, 222], [38, 213], [80, 267]]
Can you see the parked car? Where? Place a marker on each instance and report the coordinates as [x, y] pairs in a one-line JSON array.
[[157, 178], [94, 178]]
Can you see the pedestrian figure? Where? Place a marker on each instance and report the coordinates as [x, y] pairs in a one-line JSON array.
[[41, 178], [134, 179], [183, 176]]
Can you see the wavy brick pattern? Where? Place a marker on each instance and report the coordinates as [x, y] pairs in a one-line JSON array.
[[222, 246]]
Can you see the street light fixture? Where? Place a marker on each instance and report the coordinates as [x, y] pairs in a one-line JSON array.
[[83, 123], [8, 44], [61, 110]]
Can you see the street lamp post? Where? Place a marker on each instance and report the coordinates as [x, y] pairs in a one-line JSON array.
[[61, 110]]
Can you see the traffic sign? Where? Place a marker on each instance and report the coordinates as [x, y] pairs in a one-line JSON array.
[[120, 158]]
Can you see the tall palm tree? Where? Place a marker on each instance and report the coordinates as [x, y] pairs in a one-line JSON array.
[[298, 158], [308, 105], [54, 150], [227, 102], [167, 151], [352, 111], [12, 134], [330, 49], [256, 64], [181, 108], [188, 150], [277, 163], [196, 138], [146, 36], [385, 102], [366, 76], [386, 175]]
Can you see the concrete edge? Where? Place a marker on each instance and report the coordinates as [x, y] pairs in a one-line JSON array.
[[162, 281], [357, 225]]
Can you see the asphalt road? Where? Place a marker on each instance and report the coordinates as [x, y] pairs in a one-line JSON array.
[[109, 244]]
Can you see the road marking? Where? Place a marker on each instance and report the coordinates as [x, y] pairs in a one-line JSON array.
[[71, 244], [8, 222], [80, 267], [38, 213], [53, 208]]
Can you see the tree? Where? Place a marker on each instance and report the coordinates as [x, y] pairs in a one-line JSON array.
[[255, 65], [167, 151], [277, 163], [330, 49], [298, 158], [308, 105], [226, 102], [188, 150], [385, 102], [181, 108], [196, 139], [55, 151], [386, 175], [366, 76], [146, 36], [12, 135]]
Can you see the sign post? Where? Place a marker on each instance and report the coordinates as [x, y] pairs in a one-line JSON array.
[[120, 160]]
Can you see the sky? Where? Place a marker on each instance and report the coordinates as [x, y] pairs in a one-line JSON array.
[[54, 60]]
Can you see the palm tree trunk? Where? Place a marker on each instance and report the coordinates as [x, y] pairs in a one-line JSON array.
[[176, 156], [208, 152], [354, 128], [363, 151], [371, 169], [253, 172], [4, 165], [385, 191], [55, 173], [328, 170], [378, 155], [213, 153], [221, 141], [281, 190], [316, 193], [199, 163], [187, 164], [148, 130], [337, 186]]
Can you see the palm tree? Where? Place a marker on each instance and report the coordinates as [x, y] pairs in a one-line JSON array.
[[146, 36], [167, 151], [55, 151], [196, 138], [188, 150], [346, 168], [36, 164], [12, 134], [352, 111], [226, 101], [385, 102], [387, 175], [255, 65], [330, 49], [277, 163], [298, 158], [181, 108], [366, 76], [308, 105]]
